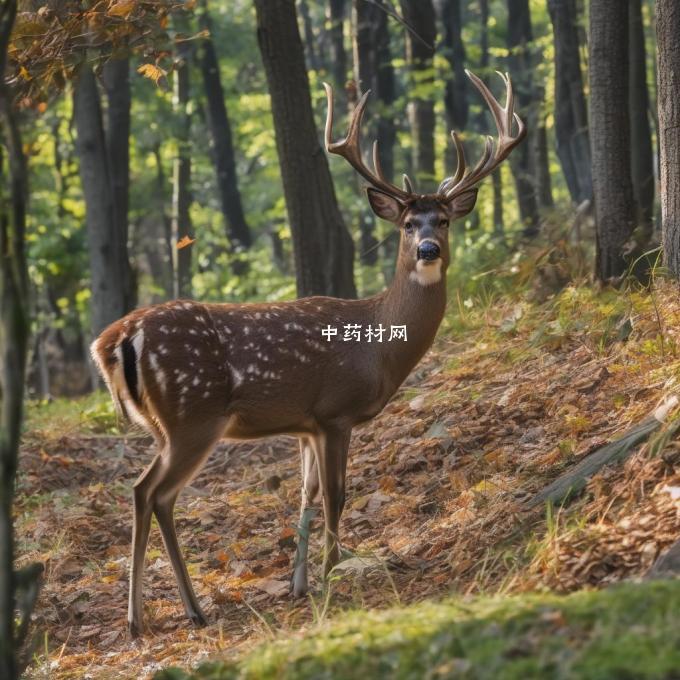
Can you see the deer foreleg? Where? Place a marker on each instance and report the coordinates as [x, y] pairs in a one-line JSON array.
[[332, 463], [311, 499]]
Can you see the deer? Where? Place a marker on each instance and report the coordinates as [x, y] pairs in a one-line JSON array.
[[191, 373]]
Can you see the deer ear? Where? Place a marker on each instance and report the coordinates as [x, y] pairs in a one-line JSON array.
[[461, 205], [385, 206]]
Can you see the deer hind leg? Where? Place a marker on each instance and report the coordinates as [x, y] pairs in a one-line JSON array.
[[156, 492], [331, 458], [142, 492], [309, 507]]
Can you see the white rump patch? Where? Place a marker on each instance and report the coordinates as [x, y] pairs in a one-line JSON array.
[[427, 274]]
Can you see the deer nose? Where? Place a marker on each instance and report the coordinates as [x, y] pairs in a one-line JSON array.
[[428, 250]]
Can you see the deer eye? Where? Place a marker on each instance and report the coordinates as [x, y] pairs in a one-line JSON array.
[[409, 227], [443, 223]]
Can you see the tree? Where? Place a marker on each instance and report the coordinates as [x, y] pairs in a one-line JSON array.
[[455, 98], [496, 177], [323, 248], [610, 135], [668, 68], [222, 144], [571, 116], [336, 31], [365, 57], [14, 327], [642, 157], [107, 250], [182, 229], [116, 81], [420, 40], [523, 161]]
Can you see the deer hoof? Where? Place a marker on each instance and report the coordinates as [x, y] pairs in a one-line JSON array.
[[199, 619], [298, 583], [135, 629]]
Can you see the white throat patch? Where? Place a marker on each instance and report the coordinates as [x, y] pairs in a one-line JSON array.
[[427, 274]]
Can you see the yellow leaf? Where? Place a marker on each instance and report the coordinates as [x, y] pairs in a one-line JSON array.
[[486, 487], [184, 242], [122, 8], [23, 73], [152, 72]]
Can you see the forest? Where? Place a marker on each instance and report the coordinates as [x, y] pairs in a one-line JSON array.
[[339, 338]]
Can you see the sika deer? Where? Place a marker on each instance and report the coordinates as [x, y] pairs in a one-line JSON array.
[[190, 373]]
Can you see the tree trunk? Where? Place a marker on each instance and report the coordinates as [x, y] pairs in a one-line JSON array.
[[365, 57], [107, 270], [455, 97], [543, 179], [14, 328], [313, 60], [642, 157], [520, 65], [668, 73], [324, 252], [610, 134], [336, 16], [116, 80], [163, 233], [497, 178], [420, 16], [571, 117], [222, 149], [181, 176], [385, 89]]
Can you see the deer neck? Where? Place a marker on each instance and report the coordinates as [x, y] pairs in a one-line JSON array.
[[408, 302]]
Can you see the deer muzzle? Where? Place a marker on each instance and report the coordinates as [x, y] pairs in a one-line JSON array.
[[428, 251]]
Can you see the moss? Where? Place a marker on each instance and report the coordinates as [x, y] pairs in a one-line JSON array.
[[626, 631], [91, 414]]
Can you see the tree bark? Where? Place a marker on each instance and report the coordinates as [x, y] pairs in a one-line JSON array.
[[336, 15], [571, 117], [222, 147], [313, 60], [455, 98], [420, 16], [116, 80], [365, 57], [610, 135], [105, 242], [14, 327], [497, 178], [181, 176], [642, 156], [324, 252], [520, 65], [668, 73]]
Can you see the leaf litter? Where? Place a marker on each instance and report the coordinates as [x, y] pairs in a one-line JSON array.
[[436, 497]]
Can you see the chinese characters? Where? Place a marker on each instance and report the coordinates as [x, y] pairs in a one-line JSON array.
[[355, 332]]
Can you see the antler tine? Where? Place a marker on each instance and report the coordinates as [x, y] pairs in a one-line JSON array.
[[504, 117], [377, 166], [350, 149], [461, 166], [407, 183]]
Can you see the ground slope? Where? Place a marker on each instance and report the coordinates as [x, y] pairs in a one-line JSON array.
[[511, 395]]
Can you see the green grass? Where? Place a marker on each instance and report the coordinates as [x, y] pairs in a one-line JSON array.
[[91, 414], [626, 631]]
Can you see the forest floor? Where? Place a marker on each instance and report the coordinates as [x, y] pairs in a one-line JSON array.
[[512, 394]]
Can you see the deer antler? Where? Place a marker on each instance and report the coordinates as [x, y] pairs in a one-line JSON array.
[[463, 179], [491, 158], [349, 148]]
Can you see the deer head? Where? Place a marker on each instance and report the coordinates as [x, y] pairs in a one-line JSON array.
[[423, 219]]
